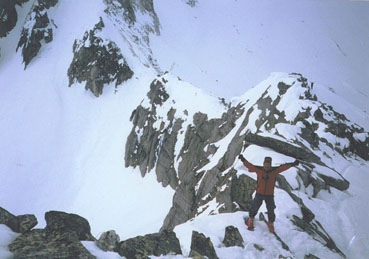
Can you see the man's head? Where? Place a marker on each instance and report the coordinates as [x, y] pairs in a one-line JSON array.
[[267, 162]]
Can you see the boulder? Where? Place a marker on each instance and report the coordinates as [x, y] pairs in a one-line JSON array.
[[42, 244], [202, 246], [156, 244], [61, 221], [233, 237], [108, 241]]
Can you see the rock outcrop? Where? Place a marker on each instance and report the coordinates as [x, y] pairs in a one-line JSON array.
[[8, 15], [233, 237], [37, 28], [61, 238], [202, 246], [156, 244], [97, 61]]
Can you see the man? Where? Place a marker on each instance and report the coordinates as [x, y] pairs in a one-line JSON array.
[[266, 176]]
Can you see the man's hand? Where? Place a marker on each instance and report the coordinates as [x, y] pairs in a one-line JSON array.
[[296, 163], [241, 158]]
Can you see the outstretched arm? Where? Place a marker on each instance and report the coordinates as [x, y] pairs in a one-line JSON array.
[[247, 164], [287, 166]]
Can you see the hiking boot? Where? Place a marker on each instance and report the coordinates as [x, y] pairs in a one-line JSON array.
[[250, 223], [271, 227]]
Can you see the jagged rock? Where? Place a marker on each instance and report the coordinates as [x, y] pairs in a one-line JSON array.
[[8, 15], [316, 230], [157, 93], [233, 237], [9, 220], [26, 222], [339, 184], [108, 241], [42, 244], [57, 221], [156, 244], [202, 246], [42, 29], [18, 224], [283, 148], [242, 189], [97, 61]]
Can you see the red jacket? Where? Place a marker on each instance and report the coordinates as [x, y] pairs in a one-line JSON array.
[[266, 179]]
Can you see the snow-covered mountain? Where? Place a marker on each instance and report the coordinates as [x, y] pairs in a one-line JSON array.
[[93, 124]]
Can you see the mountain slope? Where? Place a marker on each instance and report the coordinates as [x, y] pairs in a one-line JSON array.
[[88, 126]]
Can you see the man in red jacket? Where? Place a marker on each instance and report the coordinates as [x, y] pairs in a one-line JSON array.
[[266, 176]]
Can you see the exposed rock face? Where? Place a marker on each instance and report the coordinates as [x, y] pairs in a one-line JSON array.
[[108, 241], [97, 62], [8, 15], [60, 239], [202, 246], [153, 244], [38, 27], [19, 224], [233, 237]]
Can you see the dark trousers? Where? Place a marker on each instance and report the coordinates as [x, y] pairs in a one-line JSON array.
[[256, 203]]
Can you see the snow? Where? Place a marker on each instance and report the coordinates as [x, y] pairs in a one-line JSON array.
[[6, 237], [229, 47], [63, 149]]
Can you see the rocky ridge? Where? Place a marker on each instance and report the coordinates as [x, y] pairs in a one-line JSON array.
[[261, 118]]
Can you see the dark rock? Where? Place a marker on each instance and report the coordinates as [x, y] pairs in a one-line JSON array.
[[283, 148], [259, 247], [18, 224], [42, 244], [233, 237], [97, 62], [42, 29], [311, 256], [8, 16], [242, 189], [202, 246], [156, 244], [157, 93], [339, 184], [283, 87], [9, 220], [108, 241], [61, 221], [26, 222]]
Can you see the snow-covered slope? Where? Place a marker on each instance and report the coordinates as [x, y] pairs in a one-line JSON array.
[[227, 47], [153, 151]]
